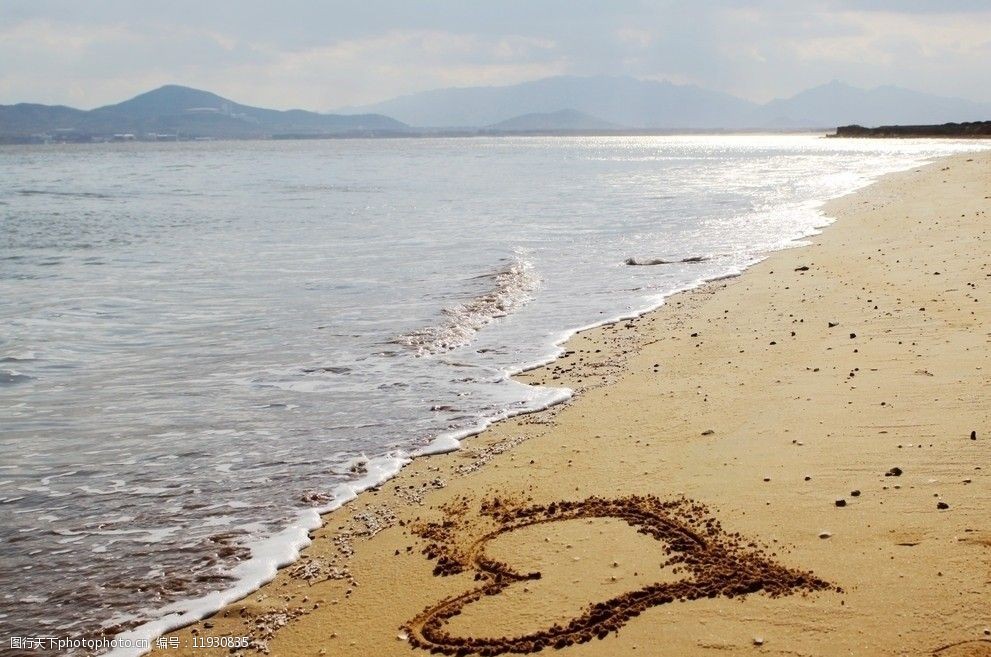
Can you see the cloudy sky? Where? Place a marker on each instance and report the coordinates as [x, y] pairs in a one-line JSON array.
[[325, 54]]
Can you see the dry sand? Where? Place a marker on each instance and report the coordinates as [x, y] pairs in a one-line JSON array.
[[716, 436]]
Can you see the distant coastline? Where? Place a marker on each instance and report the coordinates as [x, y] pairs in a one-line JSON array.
[[973, 129], [412, 133]]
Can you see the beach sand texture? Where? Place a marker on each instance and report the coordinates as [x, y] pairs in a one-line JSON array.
[[759, 466]]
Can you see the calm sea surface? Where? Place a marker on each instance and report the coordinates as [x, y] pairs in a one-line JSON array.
[[202, 344]]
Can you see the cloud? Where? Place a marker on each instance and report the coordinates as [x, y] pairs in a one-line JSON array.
[[330, 54], [356, 70]]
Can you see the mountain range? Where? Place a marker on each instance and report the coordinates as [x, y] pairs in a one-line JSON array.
[[556, 104], [649, 104]]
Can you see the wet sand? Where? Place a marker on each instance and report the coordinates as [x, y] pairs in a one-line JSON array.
[[795, 461]]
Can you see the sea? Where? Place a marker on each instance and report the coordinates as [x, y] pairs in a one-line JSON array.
[[204, 346]]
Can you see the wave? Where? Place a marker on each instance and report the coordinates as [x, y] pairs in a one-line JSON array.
[[512, 288], [52, 192], [12, 377]]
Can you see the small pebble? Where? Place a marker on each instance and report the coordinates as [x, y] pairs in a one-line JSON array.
[[825, 534], [758, 640], [841, 502], [855, 493], [942, 506]]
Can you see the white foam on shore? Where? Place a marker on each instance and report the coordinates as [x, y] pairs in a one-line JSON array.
[[279, 550], [267, 557], [512, 287]]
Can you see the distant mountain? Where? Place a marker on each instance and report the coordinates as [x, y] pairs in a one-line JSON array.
[[622, 101], [836, 104], [566, 119], [190, 113], [25, 118], [633, 103]]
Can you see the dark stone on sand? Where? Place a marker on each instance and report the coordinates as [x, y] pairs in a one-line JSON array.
[[973, 435], [855, 493], [853, 335], [802, 268], [840, 502], [942, 506], [893, 472], [708, 432], [833, 324]]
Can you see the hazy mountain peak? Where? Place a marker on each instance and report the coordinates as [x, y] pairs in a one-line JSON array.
[[837, 103], [175, 99], [620, 100]]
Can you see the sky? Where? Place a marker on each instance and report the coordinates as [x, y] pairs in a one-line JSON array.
[[322, 55]]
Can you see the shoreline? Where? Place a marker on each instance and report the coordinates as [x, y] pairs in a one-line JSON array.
[[279, 551], [368, 517]]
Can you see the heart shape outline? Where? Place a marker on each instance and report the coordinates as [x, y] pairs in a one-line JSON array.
[[722, 564]]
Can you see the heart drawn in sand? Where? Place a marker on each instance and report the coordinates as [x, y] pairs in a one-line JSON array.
[[717, 563]]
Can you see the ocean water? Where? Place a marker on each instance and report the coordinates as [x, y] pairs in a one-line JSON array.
[[203, 345]]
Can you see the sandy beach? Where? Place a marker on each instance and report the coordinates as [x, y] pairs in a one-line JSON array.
[[794, 461]]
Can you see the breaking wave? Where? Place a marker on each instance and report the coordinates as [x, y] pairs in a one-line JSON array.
[[512, 288]]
